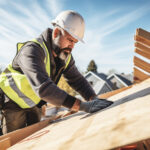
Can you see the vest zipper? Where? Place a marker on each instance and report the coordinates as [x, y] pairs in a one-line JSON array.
[[58, 75]]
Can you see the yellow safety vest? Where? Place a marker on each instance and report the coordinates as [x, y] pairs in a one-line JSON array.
[[16, 85]]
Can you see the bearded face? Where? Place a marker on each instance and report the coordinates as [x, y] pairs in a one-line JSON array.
[[63, 43], [62, 53]]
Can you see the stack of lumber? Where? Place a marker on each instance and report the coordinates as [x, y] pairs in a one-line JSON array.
[[142, 48]]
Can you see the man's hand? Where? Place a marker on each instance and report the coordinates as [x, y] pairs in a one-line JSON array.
[[94, 105]]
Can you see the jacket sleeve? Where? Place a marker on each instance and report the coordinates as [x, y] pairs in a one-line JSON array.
[[77, 81], [31, 61]]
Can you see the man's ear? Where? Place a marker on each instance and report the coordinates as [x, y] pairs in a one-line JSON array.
[[56, 32]]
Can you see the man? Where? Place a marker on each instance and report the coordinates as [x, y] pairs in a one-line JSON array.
[[37, 68]]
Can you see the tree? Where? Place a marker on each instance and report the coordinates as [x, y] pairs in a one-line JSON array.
[[0, 70], [92, 66]]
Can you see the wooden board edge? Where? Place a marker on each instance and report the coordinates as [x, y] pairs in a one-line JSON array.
[[143, 33], [141, 64], [109, 94], [142, 53], [142, 40], [139, 75], [142, 47], [5, 143], [20, 134]]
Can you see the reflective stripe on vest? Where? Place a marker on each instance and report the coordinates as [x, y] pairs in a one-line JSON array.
[[11, 81], [16, 86]]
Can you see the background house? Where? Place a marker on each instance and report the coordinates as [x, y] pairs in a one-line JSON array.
[[102, 83], [118, 81], [98, 82]]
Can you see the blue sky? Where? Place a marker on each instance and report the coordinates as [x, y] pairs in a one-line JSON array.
[[110, 28]]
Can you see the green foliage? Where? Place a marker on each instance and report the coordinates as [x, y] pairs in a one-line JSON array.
[[92, 66]]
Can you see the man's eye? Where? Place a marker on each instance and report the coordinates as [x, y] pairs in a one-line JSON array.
[[70, 40]]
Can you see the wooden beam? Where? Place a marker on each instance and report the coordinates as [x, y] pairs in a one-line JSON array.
[[128, 147], [142, 40], [143, 33], [147, 144], [141, 64], [109, 94], [142, 53], [140, 146], [20, 134], [148, 141], [139, 75], [142, 47], [5, 143]]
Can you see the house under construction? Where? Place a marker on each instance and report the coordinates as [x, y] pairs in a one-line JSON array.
[[124, 125]]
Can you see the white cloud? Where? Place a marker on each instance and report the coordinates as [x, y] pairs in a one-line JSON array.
[[19, 27], [14, 22], [100, 17], [124, 20], [55, 6], [119, 57], [27, 23], [31, 21], [2, 2]]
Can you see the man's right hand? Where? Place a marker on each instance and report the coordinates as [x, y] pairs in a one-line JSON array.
[[95, 105]]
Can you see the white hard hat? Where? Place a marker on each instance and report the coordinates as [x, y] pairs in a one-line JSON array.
[[72, 22]]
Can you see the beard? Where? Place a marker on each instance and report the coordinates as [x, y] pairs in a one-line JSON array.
[[62, 53]]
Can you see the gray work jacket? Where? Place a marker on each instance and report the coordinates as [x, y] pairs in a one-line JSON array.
[[30, 61]]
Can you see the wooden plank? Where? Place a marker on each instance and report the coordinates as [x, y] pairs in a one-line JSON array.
[[109, 94], [148, 141], [128, 147], [143, 33], [142, 47], [140, 146], [20, 134], [147, 144], [5, 143], [142, 53], [139, 75], [142, 40], [114, 127], [141, 64]]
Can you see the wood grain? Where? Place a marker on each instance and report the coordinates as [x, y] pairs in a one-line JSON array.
[[142, 53], [122, 124], [141, 64]]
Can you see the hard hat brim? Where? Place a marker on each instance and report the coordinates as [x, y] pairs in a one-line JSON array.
[[76, 37]]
